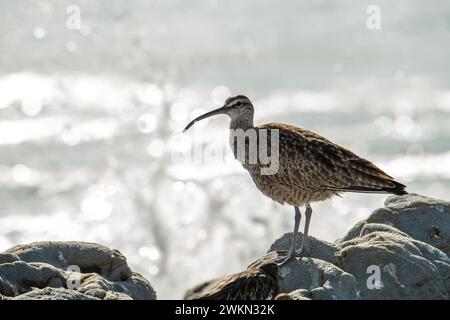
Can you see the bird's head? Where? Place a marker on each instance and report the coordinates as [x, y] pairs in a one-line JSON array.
[[236, 107]]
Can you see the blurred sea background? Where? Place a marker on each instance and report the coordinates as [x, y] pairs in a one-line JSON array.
[[90, 120]]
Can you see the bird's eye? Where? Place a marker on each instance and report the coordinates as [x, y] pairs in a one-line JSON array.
[[238, 104]]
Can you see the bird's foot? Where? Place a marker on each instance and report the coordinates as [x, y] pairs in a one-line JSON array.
[[303, 252], [285, 259]]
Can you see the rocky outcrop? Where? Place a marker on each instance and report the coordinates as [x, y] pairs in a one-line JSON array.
[[399, 252], [69, 271], [312, 278], [408, 268], [422, 218]]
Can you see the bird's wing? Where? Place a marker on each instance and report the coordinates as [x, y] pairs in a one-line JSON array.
[[328, 165], [243, 286]]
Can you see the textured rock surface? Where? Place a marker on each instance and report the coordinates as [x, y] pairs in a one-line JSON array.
[[407, 268], [399, 252], [69, 271], [316, 279], [319, 249], [424, 219]]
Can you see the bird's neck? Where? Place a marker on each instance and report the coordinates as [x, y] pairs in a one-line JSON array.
[[243, 123]]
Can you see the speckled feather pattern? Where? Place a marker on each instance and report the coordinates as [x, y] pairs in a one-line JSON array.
[[251, 284], [312, 168]]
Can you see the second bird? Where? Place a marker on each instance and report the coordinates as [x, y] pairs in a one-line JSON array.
[[309, 167]]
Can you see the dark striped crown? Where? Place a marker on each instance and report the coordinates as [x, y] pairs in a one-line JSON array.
[[237, 100]]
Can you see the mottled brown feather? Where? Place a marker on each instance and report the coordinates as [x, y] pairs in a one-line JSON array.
[[333, 167], [253, 284]]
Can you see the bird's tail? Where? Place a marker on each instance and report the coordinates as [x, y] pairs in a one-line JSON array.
[[393, 187]]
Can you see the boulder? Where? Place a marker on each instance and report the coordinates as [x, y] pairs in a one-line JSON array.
[[423, 218], [401, 251], [54, 270], [319, 249], [388, 264], [54, 294], [316, 279]]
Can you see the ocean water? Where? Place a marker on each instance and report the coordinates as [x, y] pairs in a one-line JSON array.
[[91, 147]]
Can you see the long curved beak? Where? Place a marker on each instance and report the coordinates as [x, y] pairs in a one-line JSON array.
[[220, 110]]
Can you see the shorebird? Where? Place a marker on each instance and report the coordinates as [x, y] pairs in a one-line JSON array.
[[310, 167], [257, 283]]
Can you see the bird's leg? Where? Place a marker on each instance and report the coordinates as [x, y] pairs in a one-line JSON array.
[[305, 250], [297, 218], [292, 251]]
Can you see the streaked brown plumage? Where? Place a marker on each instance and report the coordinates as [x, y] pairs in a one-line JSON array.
[[310, 167], [258, 283]]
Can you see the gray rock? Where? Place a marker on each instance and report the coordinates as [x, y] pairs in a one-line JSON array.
[[89, 257], [69, 271], [135, 287], [318, 279], [424, 219], [19, 277], [408, 241], [301, 279], [299, 294], [388, 264], [8, 257], [319, 249], [399, 252], [54, 294]]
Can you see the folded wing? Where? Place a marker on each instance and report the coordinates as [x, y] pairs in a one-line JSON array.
[[319, 163]]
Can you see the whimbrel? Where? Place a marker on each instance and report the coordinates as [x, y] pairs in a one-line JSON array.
[[310, 167], [257, 283]]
